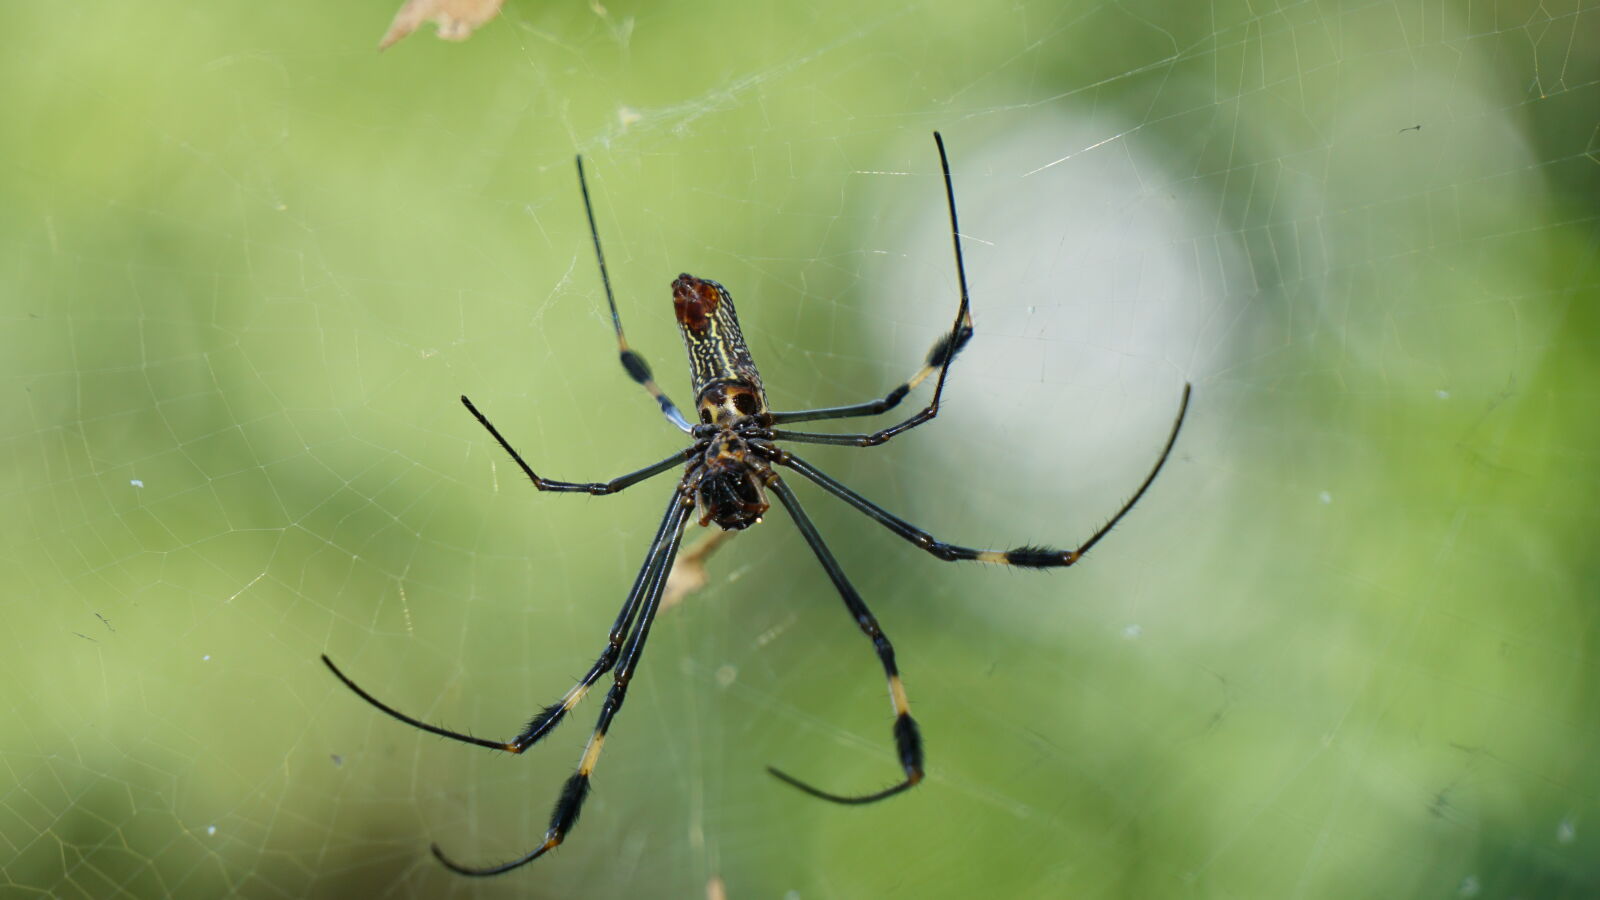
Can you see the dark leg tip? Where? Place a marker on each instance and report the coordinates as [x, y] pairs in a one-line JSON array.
[[845, 799]]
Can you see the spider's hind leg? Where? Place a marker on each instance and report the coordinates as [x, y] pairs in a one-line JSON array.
[[632, 362], [940, 355]]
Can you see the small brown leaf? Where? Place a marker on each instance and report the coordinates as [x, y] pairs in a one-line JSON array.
[[456, 19], [689, 569]]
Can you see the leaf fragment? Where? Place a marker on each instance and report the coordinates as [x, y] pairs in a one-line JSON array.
[[455, 19]]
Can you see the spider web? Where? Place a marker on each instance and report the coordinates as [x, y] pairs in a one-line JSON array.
[[1345, 647]]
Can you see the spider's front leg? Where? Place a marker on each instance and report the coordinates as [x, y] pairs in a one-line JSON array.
[[662, 547], [564, 816], [907, 739]]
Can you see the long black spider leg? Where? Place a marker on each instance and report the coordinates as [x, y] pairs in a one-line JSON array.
[[576, 790], [1031, 557], [632, 363], [583, 487], [659, 556], [908, 741], [939, 357], [550, 716], [934, 362]]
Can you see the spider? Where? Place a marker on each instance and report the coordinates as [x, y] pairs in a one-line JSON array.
[[727, 471]]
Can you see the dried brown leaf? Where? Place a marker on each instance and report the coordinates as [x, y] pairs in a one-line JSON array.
[[455, 19], [689, 569]]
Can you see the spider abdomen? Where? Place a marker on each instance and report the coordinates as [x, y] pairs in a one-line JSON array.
[[711, 334]]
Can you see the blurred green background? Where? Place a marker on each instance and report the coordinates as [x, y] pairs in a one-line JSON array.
[[1345, 648]]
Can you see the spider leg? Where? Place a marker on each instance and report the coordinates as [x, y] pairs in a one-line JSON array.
[[663, 548], [632, 362], [576, 789], [940, 355], [908, 741], [1030, 557], [586, 487], [660, 547], [935, 362], [689, 572]]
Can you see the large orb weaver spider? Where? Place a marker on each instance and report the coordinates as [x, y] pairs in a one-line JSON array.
[[727, 471]]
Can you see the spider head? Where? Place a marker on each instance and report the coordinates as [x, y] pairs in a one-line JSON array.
[[730, 492]]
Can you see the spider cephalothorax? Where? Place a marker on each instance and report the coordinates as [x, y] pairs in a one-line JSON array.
[[730, 481], [727, 471]]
